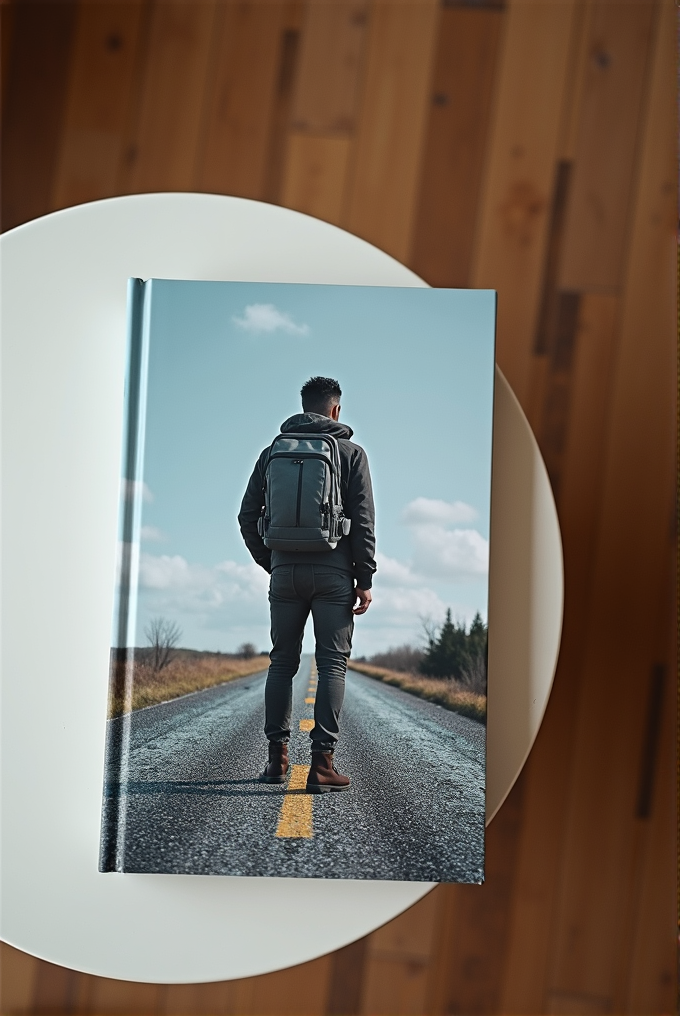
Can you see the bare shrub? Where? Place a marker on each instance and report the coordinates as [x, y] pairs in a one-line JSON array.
[[402, 658], [473, 675], [163, 637], [246, 651]]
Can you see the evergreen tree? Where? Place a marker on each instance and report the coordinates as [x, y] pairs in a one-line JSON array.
[[447, 654], [477, 651], [456, 653]]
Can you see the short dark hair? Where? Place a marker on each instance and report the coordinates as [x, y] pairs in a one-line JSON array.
[[319, 394]]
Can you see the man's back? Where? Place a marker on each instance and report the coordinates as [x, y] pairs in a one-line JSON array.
[[354, 553]]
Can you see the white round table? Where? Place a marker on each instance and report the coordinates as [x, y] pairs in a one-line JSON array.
[[63, 335]]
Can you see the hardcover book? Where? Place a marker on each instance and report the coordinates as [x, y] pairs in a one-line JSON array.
[[299, 653]]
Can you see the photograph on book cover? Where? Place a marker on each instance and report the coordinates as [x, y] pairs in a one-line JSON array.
[[298, 666]]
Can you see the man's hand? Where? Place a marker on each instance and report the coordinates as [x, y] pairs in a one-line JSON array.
[[364, 597]]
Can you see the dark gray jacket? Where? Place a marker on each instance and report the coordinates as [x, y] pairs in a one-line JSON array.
[[354, 553]]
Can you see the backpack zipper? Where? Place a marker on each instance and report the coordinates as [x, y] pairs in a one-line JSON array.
[[299, 494]]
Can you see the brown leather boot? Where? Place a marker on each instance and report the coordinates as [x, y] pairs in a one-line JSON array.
[[277, 767], [323, 777]]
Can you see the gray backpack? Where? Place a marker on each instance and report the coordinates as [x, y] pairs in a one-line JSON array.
[[302, 501]]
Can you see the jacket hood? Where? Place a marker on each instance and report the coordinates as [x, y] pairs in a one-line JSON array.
[[314, 423]]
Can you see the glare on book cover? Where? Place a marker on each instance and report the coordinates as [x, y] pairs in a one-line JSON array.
[[299, 652]]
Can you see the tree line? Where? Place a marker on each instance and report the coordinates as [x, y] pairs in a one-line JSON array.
[[452, 652]]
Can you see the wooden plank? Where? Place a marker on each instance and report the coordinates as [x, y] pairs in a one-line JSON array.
[[347, 979], [281, 113], [630, 565], [384, 185], [516, 193], [18, 973], [36, 91], [460, 103], [409, 934], [597, 223], [97, 108], [547, 322], [213, 999], [530, 910], [7, 9], [242, 96], [648, 973], [165, 140], [547, 313], [395, 987], [104, 995], [471, 941], [324, 109], [398, 960], [55, 989], [584, 449], [651, 981], [297, 991], [547, 771], [316, 175], [329, 76]]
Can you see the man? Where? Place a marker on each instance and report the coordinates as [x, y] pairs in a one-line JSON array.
[[334, 584]]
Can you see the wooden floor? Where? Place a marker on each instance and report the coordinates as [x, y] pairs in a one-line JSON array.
[[526, 146]]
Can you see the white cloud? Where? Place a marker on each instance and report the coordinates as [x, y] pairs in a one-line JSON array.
[[449, 553], [179, 587], [393, 573], [400, 598], [265, 317], [428, 511], [406, 590], [151, 533], [132, 489], [440, 550]]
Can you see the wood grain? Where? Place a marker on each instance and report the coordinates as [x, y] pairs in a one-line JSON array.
[[381, 204], [348, 966], [164, 145], [37, 81], [299, 990], [316, 175], [240, 106], [283, 104], [98, 102], [614, 81], [7, 11], [331, 60], [18, 972], [107, 996], [473, 931], [516, 194], [632, 558], [398, 959], [453, 153], [650, 977]]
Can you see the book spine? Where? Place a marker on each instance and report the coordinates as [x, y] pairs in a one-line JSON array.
[[114, 807]]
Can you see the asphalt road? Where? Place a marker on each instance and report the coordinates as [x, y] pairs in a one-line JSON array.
[[191, 801]]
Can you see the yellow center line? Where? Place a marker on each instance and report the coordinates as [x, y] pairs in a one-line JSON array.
[[306, 724], [295, 817], [309, 700]]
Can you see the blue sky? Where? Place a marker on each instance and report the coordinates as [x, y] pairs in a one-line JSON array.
[[226, 364]]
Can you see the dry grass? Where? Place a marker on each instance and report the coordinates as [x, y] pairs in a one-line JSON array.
[[450, 694], [187, 673]]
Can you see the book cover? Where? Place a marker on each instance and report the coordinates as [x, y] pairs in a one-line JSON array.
[[298, 665]]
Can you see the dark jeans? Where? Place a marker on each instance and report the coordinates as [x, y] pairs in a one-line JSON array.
[[294, 591]]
